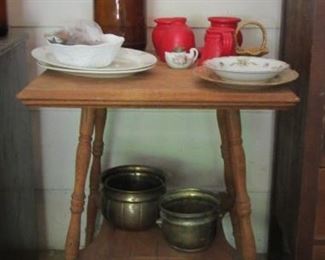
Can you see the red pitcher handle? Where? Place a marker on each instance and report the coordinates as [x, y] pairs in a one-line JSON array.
[[254, 51]]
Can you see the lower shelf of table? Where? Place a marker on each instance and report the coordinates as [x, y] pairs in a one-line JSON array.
[[115, 244]]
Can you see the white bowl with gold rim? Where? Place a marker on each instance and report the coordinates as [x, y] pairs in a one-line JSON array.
[[246, 68]]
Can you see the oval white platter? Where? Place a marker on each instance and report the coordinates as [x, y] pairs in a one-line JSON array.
[[95, 73], [127, 59]]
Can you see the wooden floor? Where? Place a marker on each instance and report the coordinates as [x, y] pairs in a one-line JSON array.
[[116, 244], [59, 255], [51, 255], [33, 255]]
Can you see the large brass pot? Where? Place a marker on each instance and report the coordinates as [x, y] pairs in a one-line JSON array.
[[131, 195], [189, 218]]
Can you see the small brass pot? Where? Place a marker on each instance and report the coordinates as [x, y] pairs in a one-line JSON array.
[[131, 195], [189, 218]]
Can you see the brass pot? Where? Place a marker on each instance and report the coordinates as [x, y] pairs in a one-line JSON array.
[[189, 218], [131, 195]]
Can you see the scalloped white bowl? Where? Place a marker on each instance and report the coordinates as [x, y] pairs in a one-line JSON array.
[[91, 56], [246, 68]]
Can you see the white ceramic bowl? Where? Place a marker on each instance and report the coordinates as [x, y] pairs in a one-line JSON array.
[[246, 68], [93, 56]]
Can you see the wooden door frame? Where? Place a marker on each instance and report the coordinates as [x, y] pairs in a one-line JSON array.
[[299, 133]]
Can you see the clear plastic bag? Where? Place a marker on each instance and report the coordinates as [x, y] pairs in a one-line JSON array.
[[82, 32]]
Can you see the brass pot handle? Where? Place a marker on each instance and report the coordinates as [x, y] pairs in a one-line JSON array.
[[254, 51]]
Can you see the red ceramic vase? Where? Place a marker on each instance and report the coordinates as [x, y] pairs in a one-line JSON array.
[[171, 33], [219, 22]]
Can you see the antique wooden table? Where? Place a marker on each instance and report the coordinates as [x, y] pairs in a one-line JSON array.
[[159, 88]]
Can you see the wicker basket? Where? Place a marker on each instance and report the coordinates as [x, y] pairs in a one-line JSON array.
[[254, 51]]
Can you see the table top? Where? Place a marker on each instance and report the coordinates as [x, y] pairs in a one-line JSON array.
[[160, 87]]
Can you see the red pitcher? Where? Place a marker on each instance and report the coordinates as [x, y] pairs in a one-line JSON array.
[[171, 33], [218, 42], [224, 40], [218, 22]]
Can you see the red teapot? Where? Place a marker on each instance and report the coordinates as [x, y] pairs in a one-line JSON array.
[[171, 33]]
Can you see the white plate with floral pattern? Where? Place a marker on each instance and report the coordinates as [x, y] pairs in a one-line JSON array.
[[246, 68], [282, 78]]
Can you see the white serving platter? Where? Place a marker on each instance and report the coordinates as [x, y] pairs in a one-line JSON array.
[[126, 60], [96, 73]]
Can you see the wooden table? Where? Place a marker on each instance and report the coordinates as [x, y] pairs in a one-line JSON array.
[[158, 88]]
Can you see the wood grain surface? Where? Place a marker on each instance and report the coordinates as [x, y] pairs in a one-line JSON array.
[[235, 163], [160, 87], [320, 211], [95, 173], [83, 156], [115, 244], [299, 134], [319, 253]]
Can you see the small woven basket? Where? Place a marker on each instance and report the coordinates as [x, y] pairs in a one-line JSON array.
[[254, 51]]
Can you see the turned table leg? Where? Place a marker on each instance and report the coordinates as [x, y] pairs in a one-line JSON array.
[[78, 195], [221, 116], [235, 178], [94, 180]]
